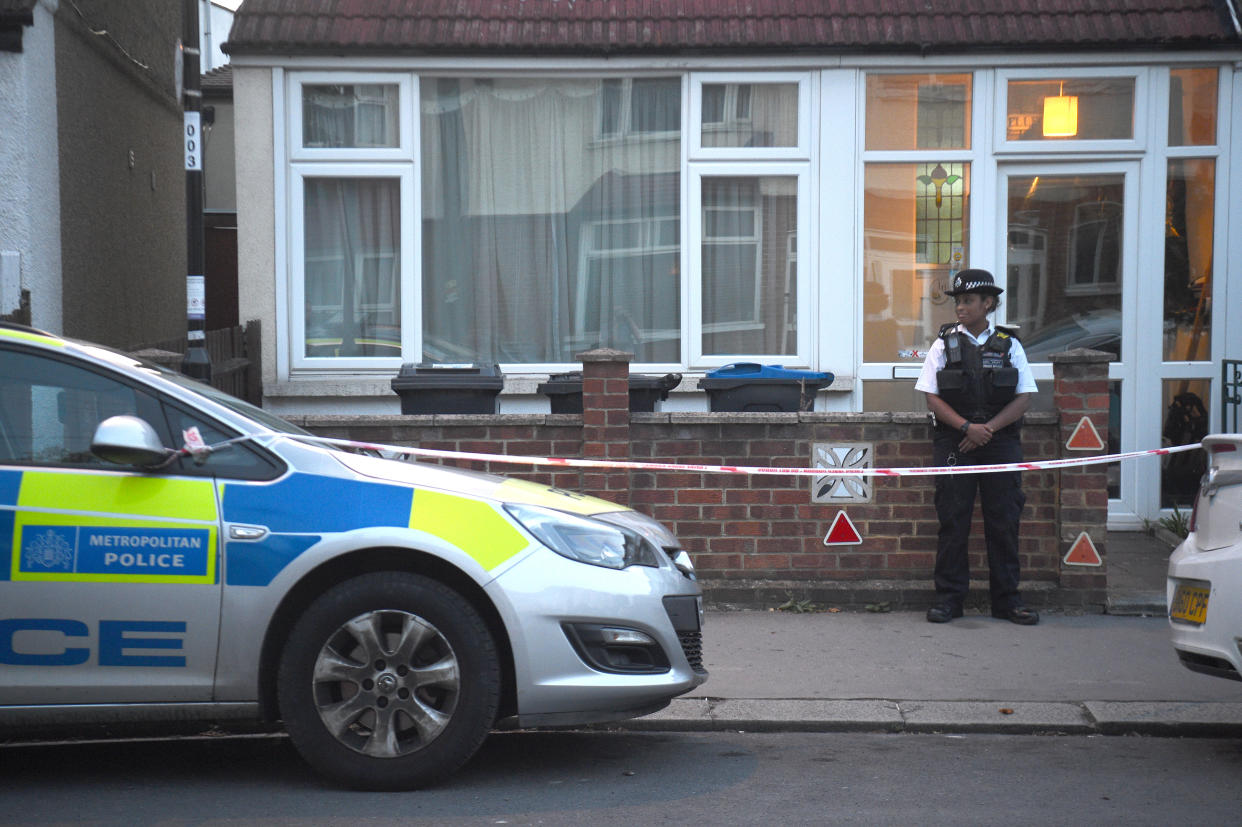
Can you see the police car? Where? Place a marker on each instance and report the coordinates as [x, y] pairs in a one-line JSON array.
[[175, 554]]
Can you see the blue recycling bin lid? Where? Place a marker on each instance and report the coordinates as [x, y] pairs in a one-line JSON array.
[[754, 370]]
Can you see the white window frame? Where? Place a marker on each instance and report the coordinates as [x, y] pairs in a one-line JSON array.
[[693, 132], [406, 106], [1137, 143], [411, 249], [692, 241]]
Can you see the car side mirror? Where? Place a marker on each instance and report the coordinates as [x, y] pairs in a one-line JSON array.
[[129, 440]]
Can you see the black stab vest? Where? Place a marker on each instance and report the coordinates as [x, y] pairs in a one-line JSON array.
[[977, 380]]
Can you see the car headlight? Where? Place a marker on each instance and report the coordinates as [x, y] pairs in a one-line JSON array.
[[586, 540], [656, 533]]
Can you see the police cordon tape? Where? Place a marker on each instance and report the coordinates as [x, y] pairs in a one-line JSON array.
[[1039, 465]]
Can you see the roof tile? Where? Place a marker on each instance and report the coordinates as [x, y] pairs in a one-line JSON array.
[[706, 26]]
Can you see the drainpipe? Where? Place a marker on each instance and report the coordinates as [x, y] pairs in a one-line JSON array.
[[1233, 16], [208, 56]]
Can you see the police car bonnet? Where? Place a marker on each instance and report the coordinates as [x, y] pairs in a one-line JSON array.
[[974, 281]]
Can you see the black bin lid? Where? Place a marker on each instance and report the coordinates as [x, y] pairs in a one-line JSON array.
[[441, 375], [571, 382], [560, 383]]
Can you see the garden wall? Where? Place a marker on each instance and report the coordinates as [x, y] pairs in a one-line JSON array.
[[759, 540]]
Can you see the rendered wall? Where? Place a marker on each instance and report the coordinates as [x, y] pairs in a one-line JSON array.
[[256, 208], [29, 174]]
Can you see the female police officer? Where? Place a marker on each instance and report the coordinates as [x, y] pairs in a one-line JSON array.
[[978, 385]]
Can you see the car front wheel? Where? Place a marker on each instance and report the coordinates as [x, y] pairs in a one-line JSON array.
[[389, 681]]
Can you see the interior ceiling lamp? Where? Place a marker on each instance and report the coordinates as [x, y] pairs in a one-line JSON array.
[[1061, 115]]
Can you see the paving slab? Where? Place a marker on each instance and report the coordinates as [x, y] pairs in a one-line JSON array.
[[994, 716], [807, 716], [1200, 719]]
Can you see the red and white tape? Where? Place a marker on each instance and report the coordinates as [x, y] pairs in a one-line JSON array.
[[1039, 465]]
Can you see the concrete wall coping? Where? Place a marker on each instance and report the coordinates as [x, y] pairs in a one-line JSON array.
[[1080, 355], [637, 418]]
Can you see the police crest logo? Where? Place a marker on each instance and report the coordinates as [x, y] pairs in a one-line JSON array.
[[48, 551]]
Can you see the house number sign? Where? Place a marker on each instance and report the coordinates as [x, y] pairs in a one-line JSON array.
[[193, 141]]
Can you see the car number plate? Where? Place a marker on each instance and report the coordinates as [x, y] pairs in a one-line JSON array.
[[1189, 604]]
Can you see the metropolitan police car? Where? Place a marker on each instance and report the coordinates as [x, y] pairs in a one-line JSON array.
[[175, 554]]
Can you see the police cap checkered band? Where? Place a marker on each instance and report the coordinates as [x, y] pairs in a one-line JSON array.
[[974, 281]]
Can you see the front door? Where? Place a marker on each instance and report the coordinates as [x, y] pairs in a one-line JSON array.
[[1071, 281]]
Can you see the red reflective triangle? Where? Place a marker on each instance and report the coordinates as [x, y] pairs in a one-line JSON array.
[[1083, 553], [842, 532], [1085, 437]]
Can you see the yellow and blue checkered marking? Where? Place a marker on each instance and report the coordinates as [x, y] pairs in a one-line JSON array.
[[301, 508], [121, 529]]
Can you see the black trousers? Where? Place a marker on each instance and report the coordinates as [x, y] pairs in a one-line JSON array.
[[1002, 501]]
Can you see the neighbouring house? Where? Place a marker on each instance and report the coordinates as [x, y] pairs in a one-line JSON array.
[[219, 199], [780, 181], [92, 181]]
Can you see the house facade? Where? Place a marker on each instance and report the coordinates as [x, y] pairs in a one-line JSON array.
[[92, 182], [701, 184]]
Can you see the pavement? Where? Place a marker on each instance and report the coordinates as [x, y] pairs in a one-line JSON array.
[[1093, 674]]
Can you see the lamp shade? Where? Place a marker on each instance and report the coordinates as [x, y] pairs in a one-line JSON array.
[[1060, 116]]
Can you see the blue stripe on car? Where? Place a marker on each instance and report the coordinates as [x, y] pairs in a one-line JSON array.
[[306, 503], [257, 564]]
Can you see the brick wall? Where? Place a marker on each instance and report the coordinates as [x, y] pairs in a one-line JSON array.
[[759, 539]]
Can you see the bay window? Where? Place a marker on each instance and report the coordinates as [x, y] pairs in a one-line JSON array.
[[522, 220]]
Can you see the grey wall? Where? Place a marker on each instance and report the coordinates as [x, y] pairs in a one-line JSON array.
[[122, 177]]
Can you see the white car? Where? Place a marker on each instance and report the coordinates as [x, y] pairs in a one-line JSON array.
[[173, 554], [1205, 571]]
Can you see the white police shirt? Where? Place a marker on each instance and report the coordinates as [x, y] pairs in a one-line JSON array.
[[935, 362]]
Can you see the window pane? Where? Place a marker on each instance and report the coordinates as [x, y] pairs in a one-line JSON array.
[[750, 115], [1192, 107], [539, 240], [1103, 109], [360, 116], [918, 112], [655, 105], [750, 267], [1189, 226], [1063, 263], [353, 267], [49, 410], [914, 237], [1185, 423]]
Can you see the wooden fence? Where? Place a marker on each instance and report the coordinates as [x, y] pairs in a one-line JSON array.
[[235, 355]]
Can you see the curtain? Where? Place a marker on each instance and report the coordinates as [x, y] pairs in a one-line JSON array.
[[353, 267], [349, 116], [542, 235], [750, 265]]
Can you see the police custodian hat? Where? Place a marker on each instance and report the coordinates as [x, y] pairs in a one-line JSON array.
[[974, 281]]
